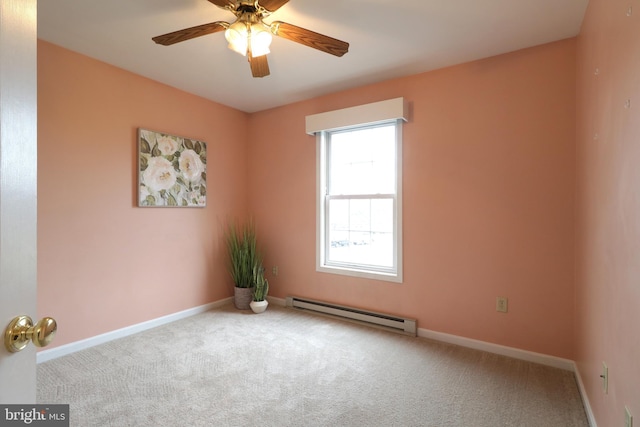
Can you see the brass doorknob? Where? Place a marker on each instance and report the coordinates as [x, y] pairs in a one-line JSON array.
[[21, 330]]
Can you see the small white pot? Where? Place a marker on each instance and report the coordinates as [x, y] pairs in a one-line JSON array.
[[258, 306]]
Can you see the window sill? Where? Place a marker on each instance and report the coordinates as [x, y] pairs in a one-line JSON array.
[[365, 274]]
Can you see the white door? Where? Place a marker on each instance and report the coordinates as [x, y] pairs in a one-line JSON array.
[[18, 213]]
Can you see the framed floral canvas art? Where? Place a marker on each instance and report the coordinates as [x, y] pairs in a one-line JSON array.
[[172, 170]]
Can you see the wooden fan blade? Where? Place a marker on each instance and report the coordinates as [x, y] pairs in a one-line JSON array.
[[272, 5], [310, 38], [190, 33], [259, 65], [220, 3]]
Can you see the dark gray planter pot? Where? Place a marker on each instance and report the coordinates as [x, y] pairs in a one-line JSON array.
[[242, 297]]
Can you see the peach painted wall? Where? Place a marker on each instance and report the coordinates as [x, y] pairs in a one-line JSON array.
[[608, 206], [489, 184], [103, 263], [489, 168]]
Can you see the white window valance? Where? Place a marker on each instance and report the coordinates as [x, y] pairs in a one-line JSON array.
[[376, 112]]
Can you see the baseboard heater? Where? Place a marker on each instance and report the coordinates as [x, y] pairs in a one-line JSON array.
[[380, 320]]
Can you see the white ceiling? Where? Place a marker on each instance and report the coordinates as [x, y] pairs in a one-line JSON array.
[[388, 38]]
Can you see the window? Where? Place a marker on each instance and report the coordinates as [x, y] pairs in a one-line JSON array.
[[360, 200]]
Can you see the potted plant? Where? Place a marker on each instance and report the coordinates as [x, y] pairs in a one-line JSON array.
[[260, 291], [243, 259]]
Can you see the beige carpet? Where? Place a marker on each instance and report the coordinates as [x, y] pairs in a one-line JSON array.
[[289, 368]]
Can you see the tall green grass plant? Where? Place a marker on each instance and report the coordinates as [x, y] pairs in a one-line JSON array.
[[244, 256]]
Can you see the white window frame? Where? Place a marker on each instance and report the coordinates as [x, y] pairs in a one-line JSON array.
[[385, 112]]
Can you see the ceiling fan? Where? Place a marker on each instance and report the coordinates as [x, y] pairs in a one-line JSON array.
[[249, 35]]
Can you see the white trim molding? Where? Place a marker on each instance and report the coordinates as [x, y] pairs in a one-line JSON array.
[[376, 112], [63, 350], [585, 398], [516, 353], [281, 302], [529, 356]]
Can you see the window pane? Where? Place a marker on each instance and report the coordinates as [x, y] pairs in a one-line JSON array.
[[382, 215], [363, 161], [361, 232]]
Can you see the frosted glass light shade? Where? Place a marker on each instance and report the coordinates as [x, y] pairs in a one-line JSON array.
[[242, 37], [238, 37], [260, 40]]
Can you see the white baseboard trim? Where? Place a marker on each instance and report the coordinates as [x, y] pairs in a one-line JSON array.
[[277, 301], [63, 350], [516, 353], [585, 398], [529, 356]]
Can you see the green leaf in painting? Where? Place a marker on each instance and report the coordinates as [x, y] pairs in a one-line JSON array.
[[150, 201], [203, 190], [203, 157], [180, 181], [171, 201], [144, 164], [197, 147], [188, 144], [144, 146], [156, 151], [204, 176], [184, 202]]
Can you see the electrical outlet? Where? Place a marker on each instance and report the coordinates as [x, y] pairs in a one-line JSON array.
[[605, 378], [628, 418], [502, 304]]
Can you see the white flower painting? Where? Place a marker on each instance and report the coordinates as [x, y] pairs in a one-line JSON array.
[[173, 170]]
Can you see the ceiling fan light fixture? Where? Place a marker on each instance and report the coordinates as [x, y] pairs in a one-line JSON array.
[[238, 37], [246, 34], [260, 40], [251, 37]]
